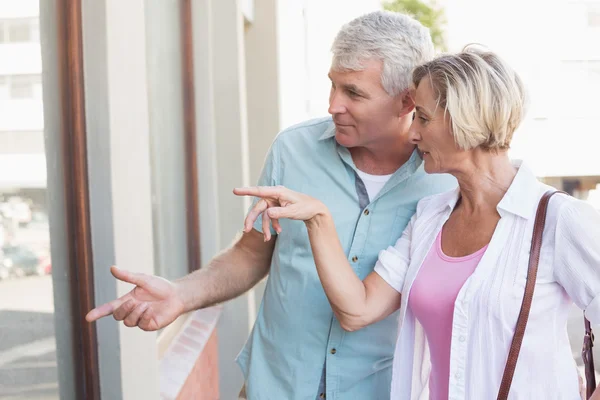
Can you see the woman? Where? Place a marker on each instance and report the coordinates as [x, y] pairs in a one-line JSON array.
[[458, 272]]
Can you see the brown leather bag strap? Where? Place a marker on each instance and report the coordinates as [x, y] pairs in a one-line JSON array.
[[534, 258], [588, 359]]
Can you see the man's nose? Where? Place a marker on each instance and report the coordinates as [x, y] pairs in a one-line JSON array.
[[336, 104]]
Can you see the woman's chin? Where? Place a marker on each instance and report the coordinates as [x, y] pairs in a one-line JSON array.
[[430, 169]]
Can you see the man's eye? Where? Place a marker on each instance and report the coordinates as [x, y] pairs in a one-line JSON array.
[[353, 94]]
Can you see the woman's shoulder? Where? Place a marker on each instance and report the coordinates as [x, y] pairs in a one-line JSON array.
[[571, 211]]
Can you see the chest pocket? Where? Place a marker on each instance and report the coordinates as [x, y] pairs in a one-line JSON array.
[[401, 219], [294, 233]]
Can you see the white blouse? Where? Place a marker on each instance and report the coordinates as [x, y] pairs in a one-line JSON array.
[[487, 306]]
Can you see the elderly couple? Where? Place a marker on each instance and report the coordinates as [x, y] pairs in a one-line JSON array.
[[396, 236]]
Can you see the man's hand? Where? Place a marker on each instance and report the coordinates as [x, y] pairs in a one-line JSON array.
[[151, 305]]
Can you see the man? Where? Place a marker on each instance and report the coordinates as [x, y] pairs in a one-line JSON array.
[[360, 163]]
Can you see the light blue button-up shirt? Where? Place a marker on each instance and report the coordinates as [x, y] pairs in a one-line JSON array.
[[296, 334]]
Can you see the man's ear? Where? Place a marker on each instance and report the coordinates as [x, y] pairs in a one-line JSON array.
[[406, 102]]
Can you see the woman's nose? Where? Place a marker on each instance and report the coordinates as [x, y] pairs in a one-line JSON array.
[[413, 136]]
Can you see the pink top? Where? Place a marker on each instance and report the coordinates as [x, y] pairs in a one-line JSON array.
[[432, 300]]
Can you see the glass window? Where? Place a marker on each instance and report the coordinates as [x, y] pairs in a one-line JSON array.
[[593, 15], [20, 30], [3, 88], [21, 142], [594, 69], [24, 86], [28, 361], [35, 30]]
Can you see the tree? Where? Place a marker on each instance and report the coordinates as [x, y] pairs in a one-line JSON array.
[[430, 15]]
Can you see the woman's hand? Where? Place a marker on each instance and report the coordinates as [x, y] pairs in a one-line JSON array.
[[279, 202]]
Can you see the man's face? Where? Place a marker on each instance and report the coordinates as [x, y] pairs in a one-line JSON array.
[[364, 114]]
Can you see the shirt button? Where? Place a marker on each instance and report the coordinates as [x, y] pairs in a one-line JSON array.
[[367, 212], [333, 351], [461, 338], [458, 375], [354, 259]]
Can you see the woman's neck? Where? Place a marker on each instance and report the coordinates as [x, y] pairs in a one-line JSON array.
[[484, 180]]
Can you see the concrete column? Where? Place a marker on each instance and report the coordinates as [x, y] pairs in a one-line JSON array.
[[262, 71], [61, 274], [263, 99], [232, 162], [120, 184]]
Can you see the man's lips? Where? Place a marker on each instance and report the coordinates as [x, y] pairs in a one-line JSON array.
[[340, 124]]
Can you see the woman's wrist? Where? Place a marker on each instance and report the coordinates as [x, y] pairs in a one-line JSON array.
[[320, 219]]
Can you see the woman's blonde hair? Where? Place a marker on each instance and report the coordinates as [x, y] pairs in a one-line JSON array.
[[484, 97]]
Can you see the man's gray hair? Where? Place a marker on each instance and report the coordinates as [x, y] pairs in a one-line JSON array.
[[398, 40]]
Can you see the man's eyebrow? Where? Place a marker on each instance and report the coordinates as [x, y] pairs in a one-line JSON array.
[[353, 88]]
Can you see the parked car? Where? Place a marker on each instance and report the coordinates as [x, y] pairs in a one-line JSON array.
[[23, 261], [22, 212], [46, 265], [18, 209]]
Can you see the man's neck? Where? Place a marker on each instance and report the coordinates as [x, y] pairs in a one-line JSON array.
[[381, 161]]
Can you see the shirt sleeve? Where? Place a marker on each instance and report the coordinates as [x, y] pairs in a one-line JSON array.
[[577, 255], [268, 177], [393, 262]]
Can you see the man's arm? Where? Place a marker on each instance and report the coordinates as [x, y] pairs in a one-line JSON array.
[[229, 274], [156, 302]]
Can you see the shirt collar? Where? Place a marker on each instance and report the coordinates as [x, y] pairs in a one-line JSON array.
[[329, 132], [402, 173], [523, 195], [521, 198], [415, 161]]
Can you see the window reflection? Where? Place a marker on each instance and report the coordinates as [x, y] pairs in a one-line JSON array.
[[28, 367]]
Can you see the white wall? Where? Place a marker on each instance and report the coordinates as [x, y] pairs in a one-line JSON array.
[[21, 115], [20, 8], [306, 30], [20, 59], [324, 20], [132, 209], [535, 36]]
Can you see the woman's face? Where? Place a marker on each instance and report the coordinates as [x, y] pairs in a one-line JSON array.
[[430, 131]]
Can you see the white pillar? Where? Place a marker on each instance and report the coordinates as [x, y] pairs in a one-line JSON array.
[[120, 184]]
